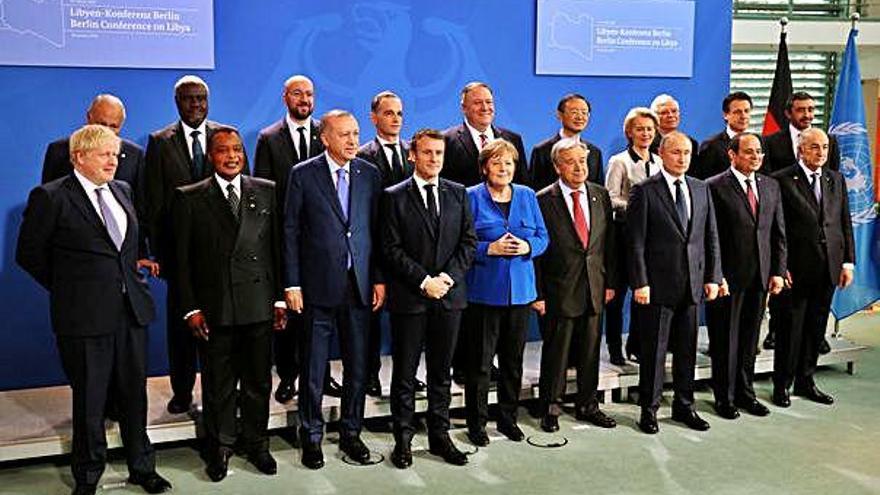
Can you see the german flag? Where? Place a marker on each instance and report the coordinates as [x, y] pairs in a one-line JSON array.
[[775, 120]]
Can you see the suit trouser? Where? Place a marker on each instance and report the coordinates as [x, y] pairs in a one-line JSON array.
[[674, 327], [561, 334], [374, 346], [93, 365], [734, 324], [437, 331], [182, 346], [351, 321], [615, 308], [285, 348], [502, 329], [234, 355], [797, 348]]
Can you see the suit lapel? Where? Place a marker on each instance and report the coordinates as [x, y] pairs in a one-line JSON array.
[[127, 207], [183, 149], [467, 142], [84, 205], [383, 164], [446, 201], [415, 197], [738, 192], [249, 215], [595, 217], [802, 183], [325, 184], [669, 202], [220, 206], [286, 143], [404, 159], [315, 145], [558, 202]]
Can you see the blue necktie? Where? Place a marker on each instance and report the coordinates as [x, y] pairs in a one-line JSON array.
[[681, 205], [198, 168], [342, 194], [109, 219]]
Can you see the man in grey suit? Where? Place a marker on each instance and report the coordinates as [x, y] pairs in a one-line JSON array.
[[574, 278], [674, 263]]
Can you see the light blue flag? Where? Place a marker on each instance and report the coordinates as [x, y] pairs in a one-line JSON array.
[[848, 125]]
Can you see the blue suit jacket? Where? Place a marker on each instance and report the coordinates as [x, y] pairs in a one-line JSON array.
[[674, 260], [318, 239], [505, 280]]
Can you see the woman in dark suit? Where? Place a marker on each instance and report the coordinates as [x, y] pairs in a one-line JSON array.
[[501, 285]]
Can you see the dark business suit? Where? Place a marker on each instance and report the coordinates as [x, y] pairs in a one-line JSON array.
[[99, 306], [820, 241], [373, 152], [130, 169], [318, 243], [675, 260], [169, 166], [230, 268], [713, 158], [415, 248], [461, 155], [275, 155], [753, 249], [779, 153], [572, 280], [543, 173]]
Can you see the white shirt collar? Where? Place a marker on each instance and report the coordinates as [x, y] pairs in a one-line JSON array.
[[567, 190], [730, 132], [475, 134], [794, 132], [87, 184], [223, 183], [742, 177], [809, 173], [384, 142], [670, 179], [296, 124], [334, 165], [562, 135], [422, 182], [187, 130]]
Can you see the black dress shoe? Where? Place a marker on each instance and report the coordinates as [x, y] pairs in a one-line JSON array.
[[478, 437], [824, 347], [285, 391], [218, 464], [263, 461], [596, 417], [332, 387], [511, 431], [312, 456], [616, 358], [374, 387], [780, 397], [444, 447], [150, 482], [753, 407], [401, 456], [420, 386], [550, 423], [354, 448], [179, 405], [84, 489], [726, 410], [770, 341], [648, 422], [690, 418], [814, 394]]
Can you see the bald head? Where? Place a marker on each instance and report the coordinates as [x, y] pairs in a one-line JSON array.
[[106, 110]]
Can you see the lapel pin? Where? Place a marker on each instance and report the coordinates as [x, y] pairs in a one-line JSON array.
[[593, 198]]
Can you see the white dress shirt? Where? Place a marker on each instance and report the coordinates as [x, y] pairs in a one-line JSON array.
[[388, 153], [742, 182], [115, 208], [475, 134], [670, 184], [203, 137], [795, 139], [294, 126], [420, 182], [582, 199]]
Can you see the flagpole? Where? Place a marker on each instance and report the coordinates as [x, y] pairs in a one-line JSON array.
[[783, 22], [854, 19]]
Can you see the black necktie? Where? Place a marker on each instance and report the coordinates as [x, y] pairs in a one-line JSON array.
[[303, 147], [681, 205], [396, 166], [198, 157], [232, 197], [816, 186], [433, 215]]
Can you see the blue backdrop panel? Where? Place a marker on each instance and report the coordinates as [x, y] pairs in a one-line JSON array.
[[425, 51]]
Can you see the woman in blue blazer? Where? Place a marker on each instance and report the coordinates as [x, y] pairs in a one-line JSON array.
[[501, 285]]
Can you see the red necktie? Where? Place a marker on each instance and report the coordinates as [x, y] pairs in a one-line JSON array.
[[580, 221], [483, 140], [750, 195]]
